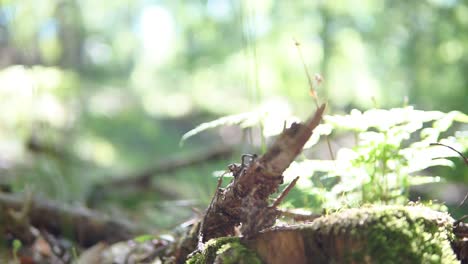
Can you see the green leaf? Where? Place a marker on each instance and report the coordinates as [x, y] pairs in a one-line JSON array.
[[423, 179], [460, 117], [17, 245], [445, 122], [143, 238], [244, 119], [322, 129]]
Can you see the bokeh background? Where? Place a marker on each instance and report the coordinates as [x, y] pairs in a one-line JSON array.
[[94, 90]]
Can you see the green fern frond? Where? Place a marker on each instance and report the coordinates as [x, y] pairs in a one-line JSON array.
[[246, 119], [460, 117], [424, 179]]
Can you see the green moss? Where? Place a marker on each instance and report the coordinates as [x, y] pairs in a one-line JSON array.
[[227, 250], [386, 234]]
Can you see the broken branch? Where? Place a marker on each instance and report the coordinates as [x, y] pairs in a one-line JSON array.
[[85, 226], [248, 193]]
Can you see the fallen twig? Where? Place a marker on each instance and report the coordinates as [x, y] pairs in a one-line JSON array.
[[143, 177], [142, 180], [82, 225]]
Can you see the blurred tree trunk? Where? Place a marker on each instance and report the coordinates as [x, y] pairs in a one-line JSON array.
[[71, 34], [327, 48]]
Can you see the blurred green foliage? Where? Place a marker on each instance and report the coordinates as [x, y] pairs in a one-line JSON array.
[[91, 89], [392, 152]]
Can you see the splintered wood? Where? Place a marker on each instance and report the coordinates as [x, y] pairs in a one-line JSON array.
[[244, 202]]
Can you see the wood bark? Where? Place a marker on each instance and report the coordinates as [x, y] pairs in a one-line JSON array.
[[245, 200]]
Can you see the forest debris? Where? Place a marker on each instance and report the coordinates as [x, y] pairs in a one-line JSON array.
[[93, 255], [42, 247], [134, 251], [460, 229], [245, 200], [82, 225], [142, 179]]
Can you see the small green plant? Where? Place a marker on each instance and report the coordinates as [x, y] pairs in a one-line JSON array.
[[16, 247], [143, 238], [392, 150]]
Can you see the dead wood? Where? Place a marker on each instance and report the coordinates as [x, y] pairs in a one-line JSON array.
[[460, 245], [246, 199], [82, 225], [143, 178]]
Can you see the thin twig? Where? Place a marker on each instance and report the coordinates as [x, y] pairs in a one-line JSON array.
[[142, 179], [313, 92], [285, 192], [309, 79], [464, 200], [300, 217], [463, 218], [465, 159]]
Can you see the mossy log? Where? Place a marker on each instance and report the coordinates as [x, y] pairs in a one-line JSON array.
[[378, 234]]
